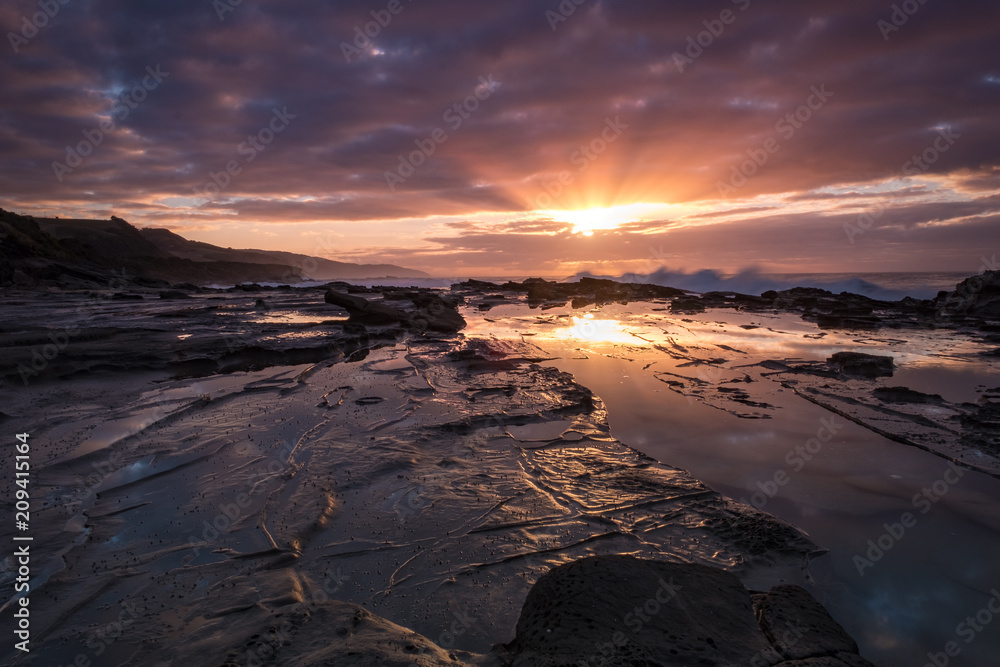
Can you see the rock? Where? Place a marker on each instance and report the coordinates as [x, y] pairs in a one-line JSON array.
[[21, 279], [592, 611], [432, 312], [585, 292], [153, 283], [847, 322], [475, 284], [905, 395], [174, 294], [620, 611], [799, 627], [542, 290], [837, 660], [978, 296], [341, 634], [365, 311], [687, 305], [863, 365]]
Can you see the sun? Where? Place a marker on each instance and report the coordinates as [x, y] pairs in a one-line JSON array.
[[589, 220], [586, 221]]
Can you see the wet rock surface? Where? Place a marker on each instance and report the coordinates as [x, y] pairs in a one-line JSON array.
[[417, 473], [620, 611], [432, 482]]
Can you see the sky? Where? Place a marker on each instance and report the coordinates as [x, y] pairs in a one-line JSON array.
[[525, 137]]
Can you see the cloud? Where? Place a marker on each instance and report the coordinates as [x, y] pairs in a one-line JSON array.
[[558, 90]]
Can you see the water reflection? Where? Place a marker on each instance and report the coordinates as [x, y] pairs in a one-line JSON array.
[[676, 396], [590, 329]]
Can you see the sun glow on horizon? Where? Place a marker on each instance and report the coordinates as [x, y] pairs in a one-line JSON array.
[[586, 221]]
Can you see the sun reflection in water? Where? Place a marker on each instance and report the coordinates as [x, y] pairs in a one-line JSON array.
[[590, 329]]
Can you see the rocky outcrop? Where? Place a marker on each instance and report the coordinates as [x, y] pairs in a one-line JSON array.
[[619, 611], [583, 293], [431, 313], [859, 364], [905, 395], [975, 297]]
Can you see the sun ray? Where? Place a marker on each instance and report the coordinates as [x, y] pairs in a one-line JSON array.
[[586, 221]]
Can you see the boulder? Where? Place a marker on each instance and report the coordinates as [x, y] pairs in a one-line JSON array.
[[978, 296], [859, 364], [905, 395], [619, 611], [799, 627], [431, 312]]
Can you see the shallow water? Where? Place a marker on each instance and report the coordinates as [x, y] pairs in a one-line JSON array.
[[912, 597]]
